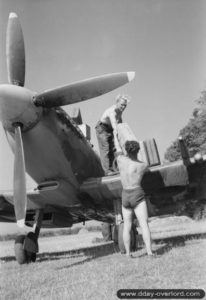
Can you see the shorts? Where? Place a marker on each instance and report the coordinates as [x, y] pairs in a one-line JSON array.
[[132, 197]]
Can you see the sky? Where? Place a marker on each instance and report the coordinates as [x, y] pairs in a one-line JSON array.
[[163, 41]]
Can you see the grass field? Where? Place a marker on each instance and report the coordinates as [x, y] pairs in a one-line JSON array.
[[100, 274]]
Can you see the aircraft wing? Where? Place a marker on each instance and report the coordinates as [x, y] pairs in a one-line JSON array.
[[162, 184], [159, 177], [96, 197], [34, 201]]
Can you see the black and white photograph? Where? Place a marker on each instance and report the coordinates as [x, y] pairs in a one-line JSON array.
[[102, 149]]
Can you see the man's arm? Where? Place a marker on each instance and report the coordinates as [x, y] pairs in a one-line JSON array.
[[120, 157], [119, 154], [113, 121]]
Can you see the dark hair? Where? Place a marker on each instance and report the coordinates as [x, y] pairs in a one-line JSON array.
[[132, 147]]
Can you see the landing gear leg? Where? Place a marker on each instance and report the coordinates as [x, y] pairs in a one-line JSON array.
[[26, 246], [110, 231]]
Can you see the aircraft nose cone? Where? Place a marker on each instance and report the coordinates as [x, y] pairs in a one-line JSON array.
[[16, 106], [11, 102]]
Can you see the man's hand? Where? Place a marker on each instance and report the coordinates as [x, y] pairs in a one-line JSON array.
[[117, 153]]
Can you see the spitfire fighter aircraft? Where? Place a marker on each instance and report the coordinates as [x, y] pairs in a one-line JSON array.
[[48, 144]]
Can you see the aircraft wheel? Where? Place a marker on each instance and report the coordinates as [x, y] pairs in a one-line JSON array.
[[115, 229], [199, 212], [120, 238], [19, 251], [31, 257], [106, 232], [24, 256], [31, 247]]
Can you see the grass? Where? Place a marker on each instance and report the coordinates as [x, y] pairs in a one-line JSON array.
[[99, 275]]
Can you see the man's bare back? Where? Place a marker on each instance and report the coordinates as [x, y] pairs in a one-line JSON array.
[[131, 171]]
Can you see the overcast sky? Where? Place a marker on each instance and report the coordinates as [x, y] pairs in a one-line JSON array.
[[163, 41]]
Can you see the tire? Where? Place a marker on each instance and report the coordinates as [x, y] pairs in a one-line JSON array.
[[199, 212], [31, 257], [19, 251], [107, 232], [115, 229], [23, 256]]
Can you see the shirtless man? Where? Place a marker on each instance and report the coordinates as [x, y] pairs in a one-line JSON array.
[[133, 196], [106, 131]]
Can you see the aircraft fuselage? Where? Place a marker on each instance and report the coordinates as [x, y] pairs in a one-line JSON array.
[[56, 149]]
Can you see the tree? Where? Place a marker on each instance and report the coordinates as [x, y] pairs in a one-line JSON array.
[[194, 133]]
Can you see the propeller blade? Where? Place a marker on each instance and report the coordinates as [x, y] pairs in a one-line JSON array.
[[15, 52], [82, 90], [19, 179]]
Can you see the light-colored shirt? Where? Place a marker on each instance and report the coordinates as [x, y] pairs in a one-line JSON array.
[[112, 117]]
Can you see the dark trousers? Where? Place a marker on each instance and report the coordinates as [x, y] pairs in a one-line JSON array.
[[106, 146]]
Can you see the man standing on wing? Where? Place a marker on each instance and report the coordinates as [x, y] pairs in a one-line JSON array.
[[133, 196], [106, 131]]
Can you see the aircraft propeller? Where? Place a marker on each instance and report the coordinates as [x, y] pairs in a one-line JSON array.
[[20, 197], [15, 53], [82, 90], [29, 103]]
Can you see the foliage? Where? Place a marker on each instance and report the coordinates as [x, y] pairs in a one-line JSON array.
[[193, 133]]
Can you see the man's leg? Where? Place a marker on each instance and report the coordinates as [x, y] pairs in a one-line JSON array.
[[102, 137], [142, 216], [112, 150], [127, 216]]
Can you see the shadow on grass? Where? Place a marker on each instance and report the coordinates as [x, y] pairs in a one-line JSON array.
[[87, 253], [93, 252], [165, 245], [169, 244]]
